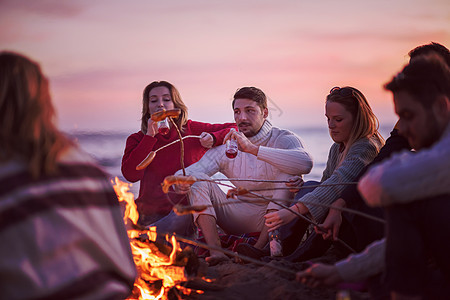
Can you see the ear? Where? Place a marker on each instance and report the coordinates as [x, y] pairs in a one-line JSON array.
[[265, 112]]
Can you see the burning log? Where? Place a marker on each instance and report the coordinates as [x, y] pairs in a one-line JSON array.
[[163, 268]]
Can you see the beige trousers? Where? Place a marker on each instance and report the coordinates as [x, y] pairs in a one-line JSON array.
[[234, 216]]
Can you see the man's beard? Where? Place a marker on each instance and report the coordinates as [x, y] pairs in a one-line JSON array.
[[250, 132]]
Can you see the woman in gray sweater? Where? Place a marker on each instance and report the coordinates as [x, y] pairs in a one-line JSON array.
[[354, 130]]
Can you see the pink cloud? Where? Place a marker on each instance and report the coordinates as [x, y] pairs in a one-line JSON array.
[[56, 8]]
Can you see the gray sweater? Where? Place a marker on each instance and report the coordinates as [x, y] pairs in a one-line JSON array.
[[360, 154]]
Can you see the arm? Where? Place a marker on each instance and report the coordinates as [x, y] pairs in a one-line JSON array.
[[138, 146], [288, 155], [359, 155], [218, 131], [407, 176], [395, 143], [365, 264], [209, 164], [355, 268]]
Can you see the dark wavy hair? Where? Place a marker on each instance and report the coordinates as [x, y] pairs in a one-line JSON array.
[[252, 93]]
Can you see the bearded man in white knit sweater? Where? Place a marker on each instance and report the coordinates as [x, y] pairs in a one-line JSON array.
[[265, 153]]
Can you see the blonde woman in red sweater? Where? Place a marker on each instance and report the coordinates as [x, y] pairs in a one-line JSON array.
[[155, 207]]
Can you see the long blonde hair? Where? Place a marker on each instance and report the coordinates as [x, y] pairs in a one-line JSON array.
[[365, 123], [177, 101], [26, 116]]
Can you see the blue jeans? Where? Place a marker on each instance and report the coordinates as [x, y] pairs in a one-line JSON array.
[[292, 233], [171, 223]]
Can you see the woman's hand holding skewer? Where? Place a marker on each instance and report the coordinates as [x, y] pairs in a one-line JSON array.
[[283, 216], [330, 227], [295, 183]]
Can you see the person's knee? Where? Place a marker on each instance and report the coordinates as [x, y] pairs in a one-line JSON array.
[[306, 188], [200, 188]]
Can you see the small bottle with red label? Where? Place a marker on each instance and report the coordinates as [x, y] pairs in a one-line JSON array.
[[231, 148], [163, 126], [276, 249]]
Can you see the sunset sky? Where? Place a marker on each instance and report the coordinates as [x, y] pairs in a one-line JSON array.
[[99, 55]]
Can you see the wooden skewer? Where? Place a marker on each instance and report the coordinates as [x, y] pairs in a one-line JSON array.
[[152, 154], [234, 254], [304, 218], [186, 209], [181, 146]]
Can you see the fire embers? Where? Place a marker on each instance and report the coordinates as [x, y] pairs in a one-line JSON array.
[[163, 269]]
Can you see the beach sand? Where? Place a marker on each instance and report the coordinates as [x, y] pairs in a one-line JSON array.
[[250, 281]]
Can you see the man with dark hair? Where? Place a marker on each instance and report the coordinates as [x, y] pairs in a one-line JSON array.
[[431, 48], [266, 153], [415, 187]]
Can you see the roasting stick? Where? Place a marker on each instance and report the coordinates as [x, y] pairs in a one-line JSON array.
[[170, 180], [159, 116], [274, 181], [349, 210], [181, 146], [152, 154], [186, 209], [304, 218], [177, 141], [189, 209], [234, 254]]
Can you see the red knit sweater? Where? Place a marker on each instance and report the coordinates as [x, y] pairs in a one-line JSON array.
[[151, 198]]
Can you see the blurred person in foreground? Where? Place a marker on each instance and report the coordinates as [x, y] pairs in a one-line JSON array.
[[414, 188], [61, 228]]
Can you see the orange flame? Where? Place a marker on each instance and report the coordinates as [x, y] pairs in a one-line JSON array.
[[151, 264]]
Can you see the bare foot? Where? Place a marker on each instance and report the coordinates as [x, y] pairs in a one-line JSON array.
[[216, 258]]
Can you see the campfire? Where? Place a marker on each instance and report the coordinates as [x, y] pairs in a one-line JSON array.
[[163, 268]]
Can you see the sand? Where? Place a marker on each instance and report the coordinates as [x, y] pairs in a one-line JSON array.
[[250, 281]]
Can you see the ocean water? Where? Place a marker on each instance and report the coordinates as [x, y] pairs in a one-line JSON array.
[[107, 149]]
